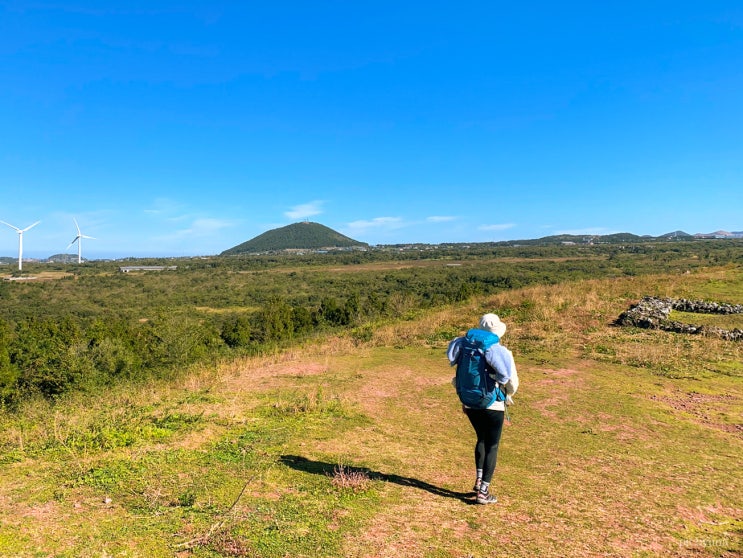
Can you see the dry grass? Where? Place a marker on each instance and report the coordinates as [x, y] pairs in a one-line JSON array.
[[350, 478], [41, 276]]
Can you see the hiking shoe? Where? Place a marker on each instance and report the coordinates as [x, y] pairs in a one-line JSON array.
[[486, 498]]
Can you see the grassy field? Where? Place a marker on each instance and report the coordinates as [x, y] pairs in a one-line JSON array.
[[622, 442]]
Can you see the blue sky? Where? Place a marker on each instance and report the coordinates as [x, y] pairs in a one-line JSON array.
[[185, 128]]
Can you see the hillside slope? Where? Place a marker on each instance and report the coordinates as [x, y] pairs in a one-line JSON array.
[[298, 236], [622, 443]]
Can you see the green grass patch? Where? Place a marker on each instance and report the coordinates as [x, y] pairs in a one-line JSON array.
[[111, 476], [726, 287], [724, 321]]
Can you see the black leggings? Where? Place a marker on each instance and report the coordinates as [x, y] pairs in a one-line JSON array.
[[488, 425]]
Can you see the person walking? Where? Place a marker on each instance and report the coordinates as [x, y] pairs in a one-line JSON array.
[[487, 417]]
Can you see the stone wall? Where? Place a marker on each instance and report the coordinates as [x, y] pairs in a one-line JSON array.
[[653, 313]]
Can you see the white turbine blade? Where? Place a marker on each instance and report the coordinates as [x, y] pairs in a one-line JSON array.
[[86, 236], [77, 227], [73, 242], [11, 226], [30, 226]]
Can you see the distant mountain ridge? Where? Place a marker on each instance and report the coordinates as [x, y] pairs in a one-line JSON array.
[[298, 236], [308, 236], [620, 238], [316, 237], [720, 234]]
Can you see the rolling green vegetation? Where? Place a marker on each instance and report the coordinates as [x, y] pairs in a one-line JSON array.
[[83, 327], [622, 442]]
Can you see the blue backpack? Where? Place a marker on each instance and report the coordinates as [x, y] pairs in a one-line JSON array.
[[476, 387]]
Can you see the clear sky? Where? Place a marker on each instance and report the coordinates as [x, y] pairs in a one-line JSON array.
[[184, 127]]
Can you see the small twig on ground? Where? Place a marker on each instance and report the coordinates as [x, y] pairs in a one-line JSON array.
[[204, 539]]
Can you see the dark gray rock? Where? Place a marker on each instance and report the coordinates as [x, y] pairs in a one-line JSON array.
[[653, 313]]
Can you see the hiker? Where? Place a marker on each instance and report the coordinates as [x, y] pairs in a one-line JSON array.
[[485, 404]]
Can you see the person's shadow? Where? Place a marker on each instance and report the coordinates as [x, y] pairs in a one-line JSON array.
[[328, 469]]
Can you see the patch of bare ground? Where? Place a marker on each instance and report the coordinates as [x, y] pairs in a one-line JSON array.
[[253, 374], [566, 378], [706, 514], [623, 431], [43, 276], [238, 380], [393, 385], [374, 394], [43, 521], [404, 530], [716, 518], [704, 408], [553, 376], [416, 527]]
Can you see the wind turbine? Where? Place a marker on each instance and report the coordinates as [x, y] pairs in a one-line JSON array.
[[79, 240], [20, 241]]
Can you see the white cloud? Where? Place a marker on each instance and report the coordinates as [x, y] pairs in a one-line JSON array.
[[199, 227], [164, 206], [305, 210], [206, 225], [376, 223], [440, 218], [499, 227]]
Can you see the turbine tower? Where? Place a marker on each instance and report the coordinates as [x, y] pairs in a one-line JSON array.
[[79, 240], [20, 241]]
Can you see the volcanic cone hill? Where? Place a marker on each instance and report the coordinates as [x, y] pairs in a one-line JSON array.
[[298, 236]]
